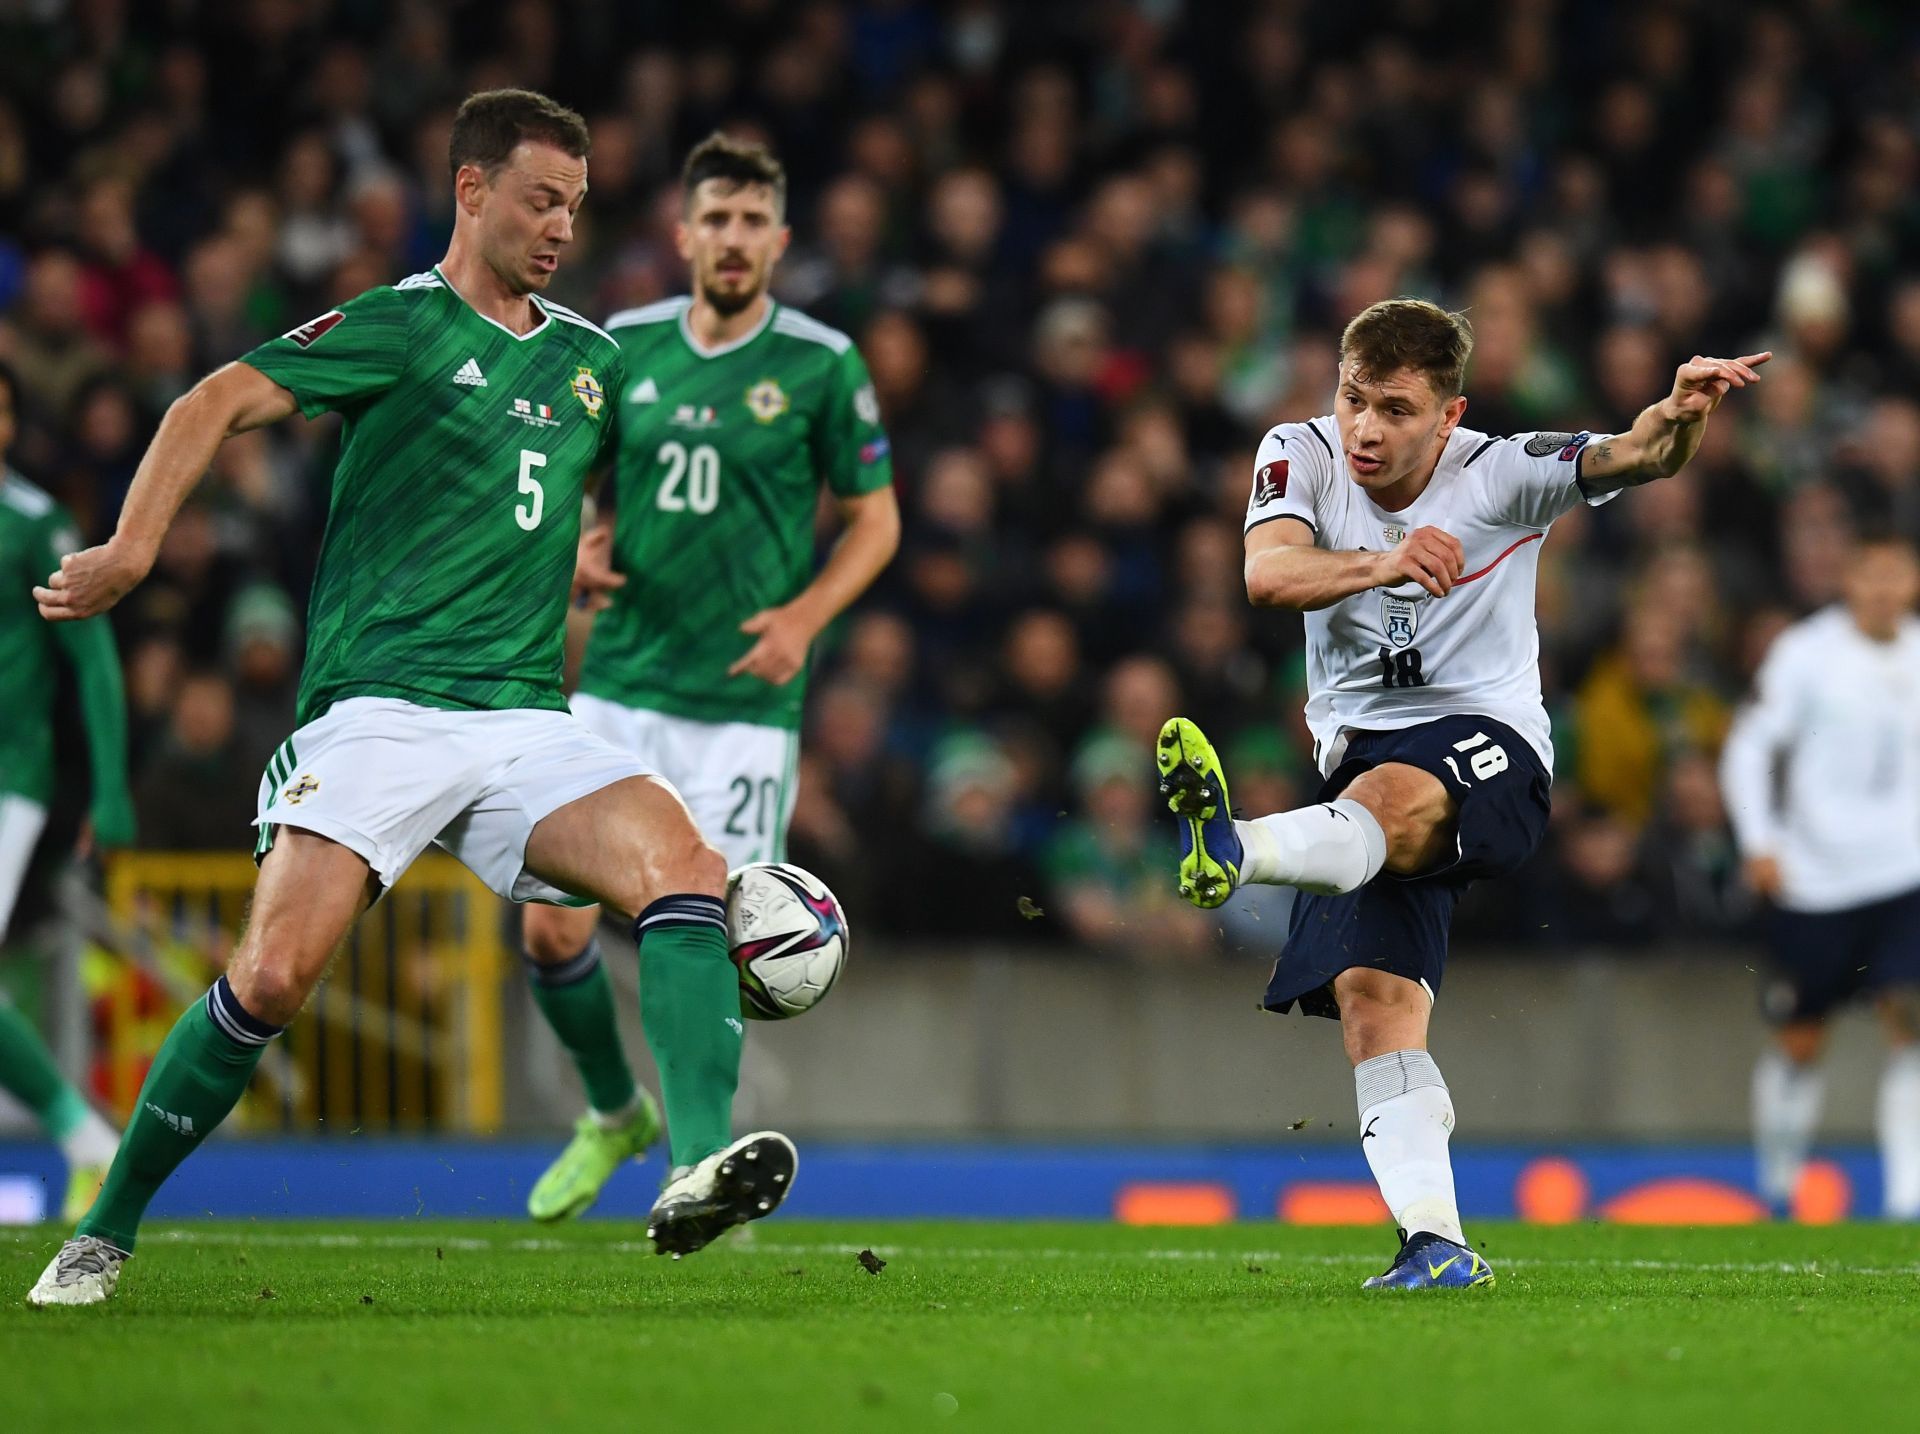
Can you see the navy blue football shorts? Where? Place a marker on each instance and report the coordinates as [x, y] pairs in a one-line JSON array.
[[1400, 924], [1823, 959]]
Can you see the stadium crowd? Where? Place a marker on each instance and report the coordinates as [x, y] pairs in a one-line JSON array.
[[1089, 251]]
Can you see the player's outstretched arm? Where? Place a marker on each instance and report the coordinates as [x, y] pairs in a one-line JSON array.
[[784, 634], [229, 400], [1666, 434], [1285, 569]]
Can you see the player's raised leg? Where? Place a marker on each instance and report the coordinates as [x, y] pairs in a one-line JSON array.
[[1899, 1104], [634, 846], [1328, 847], [571, 989], [310, 891]]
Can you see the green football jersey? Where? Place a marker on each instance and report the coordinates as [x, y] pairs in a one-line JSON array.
[[35, 533], [448, 556], [721, 457]]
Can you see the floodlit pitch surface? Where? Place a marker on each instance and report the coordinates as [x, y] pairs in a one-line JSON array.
[[1051, 1327]]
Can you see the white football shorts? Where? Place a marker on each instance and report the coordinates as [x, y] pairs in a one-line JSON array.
[[386, 778], [21, 821], [737, 778]]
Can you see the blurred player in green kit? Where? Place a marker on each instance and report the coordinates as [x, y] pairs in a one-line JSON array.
[[34, 532], [735, 413]]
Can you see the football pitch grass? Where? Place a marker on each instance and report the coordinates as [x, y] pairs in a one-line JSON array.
[[992, 1326]]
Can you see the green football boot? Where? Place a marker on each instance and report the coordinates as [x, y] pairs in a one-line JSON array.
[[83, 1187], [1195, 789], [574, 1181]]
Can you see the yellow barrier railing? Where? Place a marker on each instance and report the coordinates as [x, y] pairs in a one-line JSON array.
[[403, 1035]]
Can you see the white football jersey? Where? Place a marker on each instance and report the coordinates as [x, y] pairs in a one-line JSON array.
[[1822, 768], [1390, 658]]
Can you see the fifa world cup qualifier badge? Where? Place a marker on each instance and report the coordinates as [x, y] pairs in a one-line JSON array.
[[587, 389]]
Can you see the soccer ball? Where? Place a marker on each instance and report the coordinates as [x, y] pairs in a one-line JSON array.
[[788, 936]]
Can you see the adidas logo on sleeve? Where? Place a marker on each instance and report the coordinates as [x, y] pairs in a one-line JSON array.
[[470, 375]]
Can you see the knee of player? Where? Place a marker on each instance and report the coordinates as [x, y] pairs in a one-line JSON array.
[[1413, 809], [684, 865], [1378, 1009], [1900, 1015], [1802, 1042], [550, 939], [270, 989]]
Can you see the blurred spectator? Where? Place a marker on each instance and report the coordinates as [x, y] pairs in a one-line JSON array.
[[1691, 860], [197, 790], [1593, 893], [968, 880], [120, 274], [1638, 711], [1108, 867], [52, 350], [263, 653]]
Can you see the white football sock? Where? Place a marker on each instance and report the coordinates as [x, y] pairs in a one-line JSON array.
[[1406, 1116], [1900, 1133], [1333, 847], [1786, 1109], [91, 1142], [616, 1119]]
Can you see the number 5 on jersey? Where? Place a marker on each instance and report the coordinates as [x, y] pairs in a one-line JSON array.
[[527, 515]]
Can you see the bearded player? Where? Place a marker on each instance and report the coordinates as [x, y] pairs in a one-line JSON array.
[[430, 706], [736, 412], [1411, 544]]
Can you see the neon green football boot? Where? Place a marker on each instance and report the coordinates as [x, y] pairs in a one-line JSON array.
[[1195, 789], [574, 1181], [83, 1187]]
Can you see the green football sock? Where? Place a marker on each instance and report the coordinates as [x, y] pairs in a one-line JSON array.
[[690, 1009], [196, 1080], [27, 1072], [576, 997]]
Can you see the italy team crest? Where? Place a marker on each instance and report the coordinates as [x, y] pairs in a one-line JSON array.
[[766, 400], [587, 389]]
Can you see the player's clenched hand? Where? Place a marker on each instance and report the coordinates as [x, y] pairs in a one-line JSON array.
[[1763, 877], [595, 579], [784, 637], [1429, 557], [1699, 385], [91, 581]]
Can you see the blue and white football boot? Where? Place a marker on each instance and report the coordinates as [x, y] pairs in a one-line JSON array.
[[1195, 790], [1429, 1262]]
